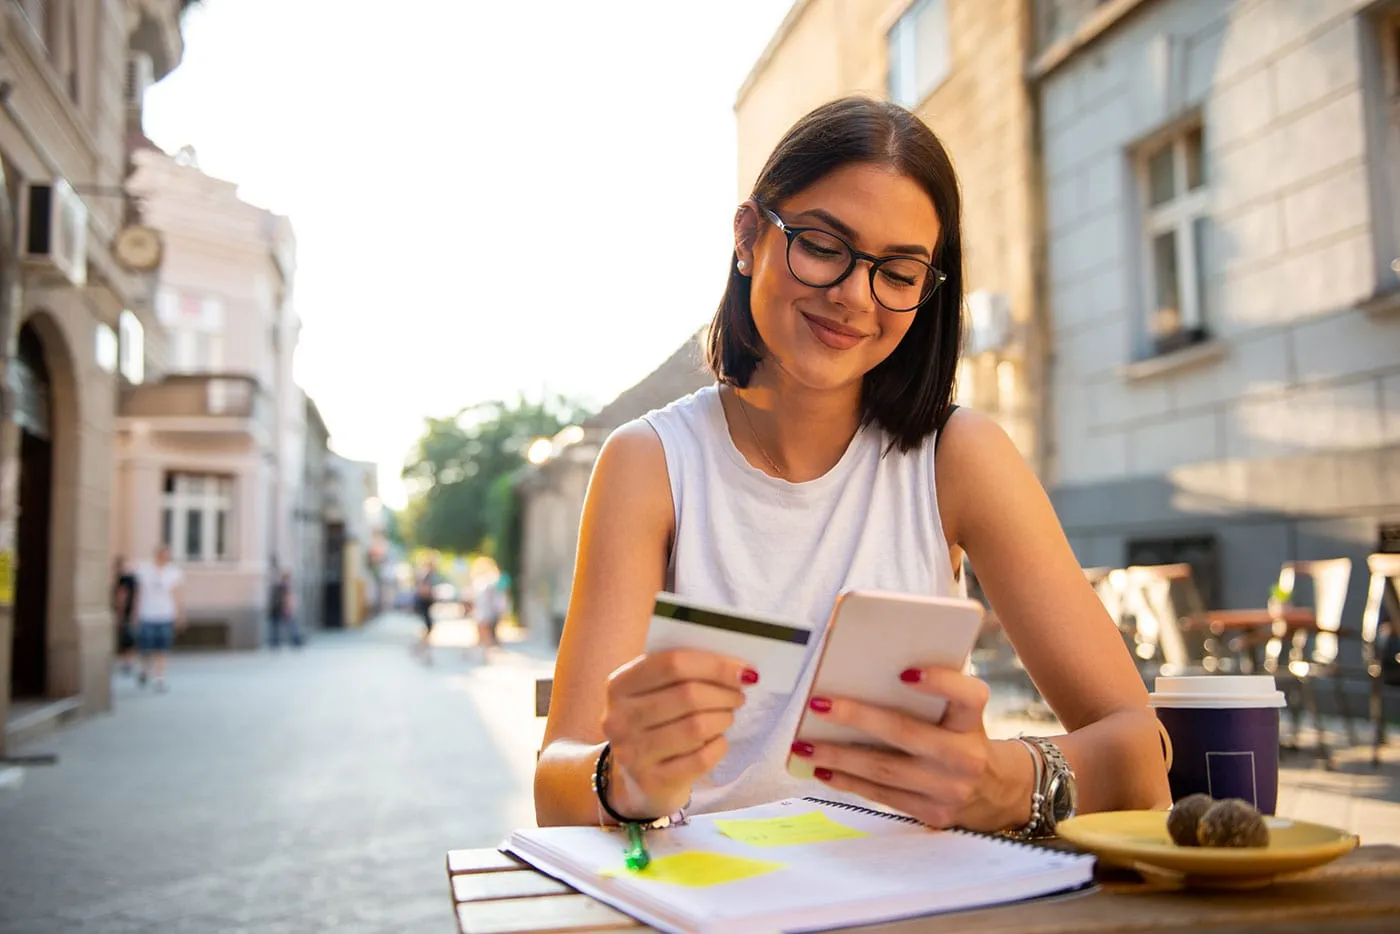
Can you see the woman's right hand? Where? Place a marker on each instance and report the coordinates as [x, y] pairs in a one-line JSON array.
[[665, 719]]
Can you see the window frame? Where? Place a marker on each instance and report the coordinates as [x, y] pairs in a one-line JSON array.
[[1179, 216], [210, 495], [903, 34], [1387, 229]]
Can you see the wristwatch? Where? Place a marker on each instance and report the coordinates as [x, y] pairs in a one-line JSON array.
[[1055, 797]]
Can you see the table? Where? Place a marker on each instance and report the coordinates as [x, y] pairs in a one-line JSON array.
[[496, 894]]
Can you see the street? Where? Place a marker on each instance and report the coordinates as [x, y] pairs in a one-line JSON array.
[[300, 791], [319, 790]]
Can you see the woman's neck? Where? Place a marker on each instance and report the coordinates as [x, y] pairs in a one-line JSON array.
[[789, 431]]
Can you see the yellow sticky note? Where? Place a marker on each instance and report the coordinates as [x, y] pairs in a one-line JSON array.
[[697, 869], [809, 827]]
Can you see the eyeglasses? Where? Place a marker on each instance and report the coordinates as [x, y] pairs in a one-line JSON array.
[[820, 259]]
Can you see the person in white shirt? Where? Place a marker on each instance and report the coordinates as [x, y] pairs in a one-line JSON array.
[[488, 603], [160, 611]]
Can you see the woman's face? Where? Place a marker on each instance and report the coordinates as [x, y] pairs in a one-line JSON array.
[[826, 338]]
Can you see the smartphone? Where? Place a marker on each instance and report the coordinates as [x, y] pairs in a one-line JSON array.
[[872, 637]]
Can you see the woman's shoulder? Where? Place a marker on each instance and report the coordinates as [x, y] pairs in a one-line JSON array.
[[692, 411]]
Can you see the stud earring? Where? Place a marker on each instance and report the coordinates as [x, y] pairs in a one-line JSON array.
[[743, 265]]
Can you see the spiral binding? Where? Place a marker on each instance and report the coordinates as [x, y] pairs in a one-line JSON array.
[[873, 812], [905, 819]]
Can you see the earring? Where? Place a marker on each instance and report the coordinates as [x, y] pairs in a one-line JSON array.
[[743, 265]]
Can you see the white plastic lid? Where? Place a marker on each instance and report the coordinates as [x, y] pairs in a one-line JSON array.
[[1219, 691]]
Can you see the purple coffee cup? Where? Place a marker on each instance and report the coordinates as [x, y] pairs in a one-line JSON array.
[[1224, 736]]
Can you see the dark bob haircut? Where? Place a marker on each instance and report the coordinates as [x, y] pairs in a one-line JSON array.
[[908, 394]]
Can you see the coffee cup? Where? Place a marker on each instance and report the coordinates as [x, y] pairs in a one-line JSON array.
[[1224, 736]]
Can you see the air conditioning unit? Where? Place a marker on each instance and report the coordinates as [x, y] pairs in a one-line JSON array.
[[53, 230], [140, 75], [989, 321]]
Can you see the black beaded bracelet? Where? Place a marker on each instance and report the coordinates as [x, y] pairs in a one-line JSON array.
[[602, 776]]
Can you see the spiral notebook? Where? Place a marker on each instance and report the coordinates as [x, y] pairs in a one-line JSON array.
[[802, 864]]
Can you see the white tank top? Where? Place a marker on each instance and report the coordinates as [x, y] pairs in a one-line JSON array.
[[746, 540]]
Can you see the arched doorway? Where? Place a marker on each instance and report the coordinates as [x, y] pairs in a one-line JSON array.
[[33, 417]]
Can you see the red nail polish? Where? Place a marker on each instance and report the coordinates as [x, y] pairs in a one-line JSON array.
[[911, 676], [802, 749], [823, 775], [748, 676], [820, 704]]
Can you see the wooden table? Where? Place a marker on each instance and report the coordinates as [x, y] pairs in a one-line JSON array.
[[496, 894]]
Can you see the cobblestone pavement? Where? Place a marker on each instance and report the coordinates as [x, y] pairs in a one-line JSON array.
[[306, 791]]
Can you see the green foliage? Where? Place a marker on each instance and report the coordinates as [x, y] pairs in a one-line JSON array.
[[461, 473]]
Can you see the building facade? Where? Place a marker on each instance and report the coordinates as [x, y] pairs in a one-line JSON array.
[[310, 512], [354, 523], [210, 449], [1222, 187], [552, 490], [66, 302], [959, 64]]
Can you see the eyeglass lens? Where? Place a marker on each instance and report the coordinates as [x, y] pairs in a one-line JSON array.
[[818, 260]]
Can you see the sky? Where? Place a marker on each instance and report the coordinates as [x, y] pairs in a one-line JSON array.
[[490, 198]]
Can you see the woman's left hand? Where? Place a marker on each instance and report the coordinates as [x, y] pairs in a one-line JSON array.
[[946, 774]]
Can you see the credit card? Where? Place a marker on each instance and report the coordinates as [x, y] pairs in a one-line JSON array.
[[774, 648]]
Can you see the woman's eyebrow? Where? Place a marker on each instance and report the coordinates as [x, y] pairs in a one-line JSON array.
[[845, 230]]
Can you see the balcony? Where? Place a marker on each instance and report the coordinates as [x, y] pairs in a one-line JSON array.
[[197, 402]]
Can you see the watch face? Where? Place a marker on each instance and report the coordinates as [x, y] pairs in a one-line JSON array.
[[1064, 797]]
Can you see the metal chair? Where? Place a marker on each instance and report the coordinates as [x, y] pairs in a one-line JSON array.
[[1312, 641], [1383, 589]]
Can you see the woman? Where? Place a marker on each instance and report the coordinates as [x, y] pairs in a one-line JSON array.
[[810, 469]]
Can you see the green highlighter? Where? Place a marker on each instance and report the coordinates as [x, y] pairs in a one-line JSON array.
[[636, 857]]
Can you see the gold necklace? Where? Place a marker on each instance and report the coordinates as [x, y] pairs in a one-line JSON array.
[[744, 409]]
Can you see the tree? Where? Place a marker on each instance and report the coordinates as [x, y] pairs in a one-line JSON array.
[[460, 474]]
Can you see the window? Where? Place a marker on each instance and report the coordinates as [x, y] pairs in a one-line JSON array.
[[1202, 552], [195, 324], [918, 51], [106, 350], [131, 353], [1172, 179], [1385, 129], [196, 516]]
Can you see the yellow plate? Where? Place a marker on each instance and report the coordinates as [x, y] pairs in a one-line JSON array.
[[1139, 840]]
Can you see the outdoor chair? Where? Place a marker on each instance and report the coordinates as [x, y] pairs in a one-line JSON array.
[[1381, 641]]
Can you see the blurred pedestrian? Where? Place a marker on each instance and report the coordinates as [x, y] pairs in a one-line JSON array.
[[282, 613], [423, 605], [123, 602], [160, 611], [487, 607]]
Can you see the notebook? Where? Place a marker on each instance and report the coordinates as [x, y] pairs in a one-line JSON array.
[[801, 864]]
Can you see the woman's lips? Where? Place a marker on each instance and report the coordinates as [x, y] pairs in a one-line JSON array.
[[833, 335]]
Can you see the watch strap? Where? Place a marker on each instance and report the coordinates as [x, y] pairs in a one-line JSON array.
[[1055, 771]]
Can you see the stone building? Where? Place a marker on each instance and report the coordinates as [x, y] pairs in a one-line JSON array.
[[75, 302], [959, 64], [1222, 186], [210, 451]]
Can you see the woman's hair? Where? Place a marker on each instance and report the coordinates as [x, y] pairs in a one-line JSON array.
[[909, 392]]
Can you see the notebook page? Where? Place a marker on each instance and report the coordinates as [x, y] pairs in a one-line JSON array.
[[884, 866]]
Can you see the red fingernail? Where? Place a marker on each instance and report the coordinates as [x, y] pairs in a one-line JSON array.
[[911, 676], [823, 775], [802, 749], [820, 704], [748, 676]]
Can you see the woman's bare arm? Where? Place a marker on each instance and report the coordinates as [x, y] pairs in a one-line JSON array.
[[624, 538], [995, 508]]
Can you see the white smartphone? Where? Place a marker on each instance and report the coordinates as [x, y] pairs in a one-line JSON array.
[[871, 638]]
